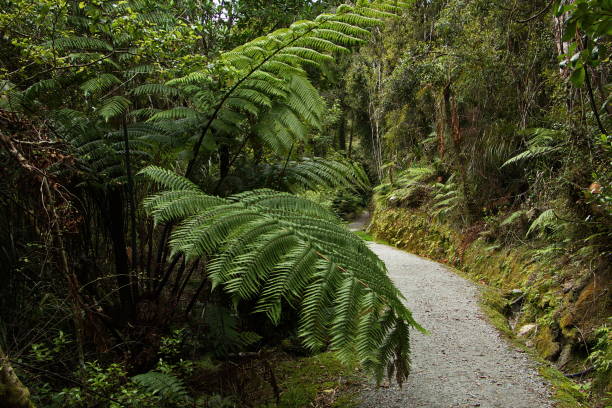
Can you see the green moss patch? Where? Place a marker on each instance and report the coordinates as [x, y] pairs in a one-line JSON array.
[[365, 236], [321, 381], [567, 393]]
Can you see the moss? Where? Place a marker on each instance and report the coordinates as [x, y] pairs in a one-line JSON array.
[[416, 233], [567, 319], [13, 394], [320, 380], [566, 393], [546, 344], [494, 306]]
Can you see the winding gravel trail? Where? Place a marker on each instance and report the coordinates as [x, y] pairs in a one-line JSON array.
[[463, 362]]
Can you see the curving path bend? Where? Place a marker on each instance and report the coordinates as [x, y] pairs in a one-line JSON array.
[[463, 362]]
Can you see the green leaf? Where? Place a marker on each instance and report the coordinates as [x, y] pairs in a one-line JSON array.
[[578, 76], [113, 106], [209, 142], [279, 249]]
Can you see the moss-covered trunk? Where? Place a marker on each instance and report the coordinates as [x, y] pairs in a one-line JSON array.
[[13, 394]]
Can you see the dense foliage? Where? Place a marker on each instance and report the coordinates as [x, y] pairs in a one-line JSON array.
[[175, 174], [491, 119], [224, 93]]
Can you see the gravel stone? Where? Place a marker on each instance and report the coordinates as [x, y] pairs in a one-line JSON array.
[[463, 362]]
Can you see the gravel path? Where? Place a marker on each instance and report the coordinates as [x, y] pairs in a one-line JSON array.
[[463, 362]]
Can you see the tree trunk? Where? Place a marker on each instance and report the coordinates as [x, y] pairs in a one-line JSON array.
[[224, 161], [342, 133], [116, 225], [13, 394]]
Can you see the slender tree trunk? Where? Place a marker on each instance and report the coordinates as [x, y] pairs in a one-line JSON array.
[[224, 161], [350, 146], [13, 394], [342, 133], [116, 221], [131, 195]]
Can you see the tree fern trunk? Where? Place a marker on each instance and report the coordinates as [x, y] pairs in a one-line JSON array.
[[116, 222], [13, 394], [131, 195], [224, 161]]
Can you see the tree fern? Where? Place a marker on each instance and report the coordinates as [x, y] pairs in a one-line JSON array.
[[542, 143], [264, 69], [281, 249]]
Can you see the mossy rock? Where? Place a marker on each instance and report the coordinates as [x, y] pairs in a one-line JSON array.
[[546, 345]]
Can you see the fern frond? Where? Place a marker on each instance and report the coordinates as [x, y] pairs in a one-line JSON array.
[[276, 248], [542, 143], [547, 220], [179, 112], [168, 179], [156, 89], [99, 84], [168, 387], [81, 43], [113, 106], [536, 151]]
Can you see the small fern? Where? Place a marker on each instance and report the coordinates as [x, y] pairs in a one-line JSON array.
[[168, 388], [448, 198], [548, 220], [512, 218]]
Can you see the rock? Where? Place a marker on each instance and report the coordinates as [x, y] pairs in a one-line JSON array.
[[516, 292], [567, 286], [565, 356], [527, 329]]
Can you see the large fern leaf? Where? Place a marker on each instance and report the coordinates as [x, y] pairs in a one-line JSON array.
[[280, 249], [264, 71]]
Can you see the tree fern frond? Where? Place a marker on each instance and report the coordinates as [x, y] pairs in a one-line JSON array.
[[168, 387], [99, 84], [355, 19], [81, 43], [40, 87], [338, 37], [319, 173], [113, 106], [140, 69], [547, 220], [179, 112], [533, 152], [168, 179], [156, 89], [276, 248]]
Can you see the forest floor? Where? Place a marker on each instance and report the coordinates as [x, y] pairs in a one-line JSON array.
[[464, 361]]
